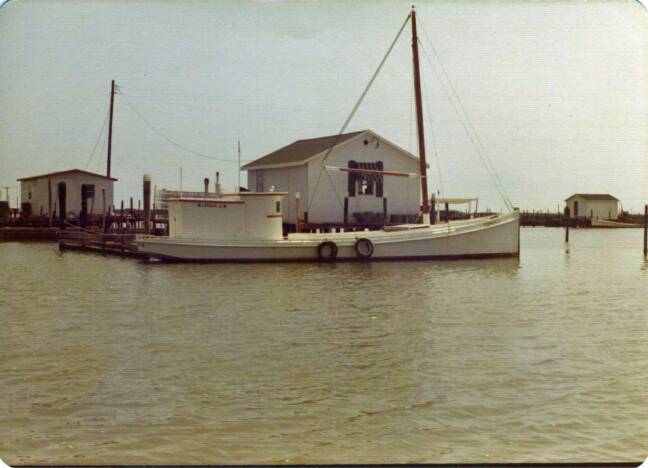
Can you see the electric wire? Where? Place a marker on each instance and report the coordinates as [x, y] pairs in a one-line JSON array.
[[173, 142], [103, 126]]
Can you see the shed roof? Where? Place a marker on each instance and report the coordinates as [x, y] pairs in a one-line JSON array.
[[593, 196], [300, 150], [69, 171]]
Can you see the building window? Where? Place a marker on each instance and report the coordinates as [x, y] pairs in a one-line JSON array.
[[365, 184]]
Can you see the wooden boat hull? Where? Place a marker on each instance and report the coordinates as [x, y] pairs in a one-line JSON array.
[[494, 236]]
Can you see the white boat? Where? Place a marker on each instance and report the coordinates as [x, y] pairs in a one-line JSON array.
[[247, 226], [608, 223]]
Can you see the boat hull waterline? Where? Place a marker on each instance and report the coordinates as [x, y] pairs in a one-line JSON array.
[[493, 236]]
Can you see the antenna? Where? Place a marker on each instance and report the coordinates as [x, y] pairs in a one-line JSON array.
[[238, 188]]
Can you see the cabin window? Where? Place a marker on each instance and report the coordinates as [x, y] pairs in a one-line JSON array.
[[278, 207]]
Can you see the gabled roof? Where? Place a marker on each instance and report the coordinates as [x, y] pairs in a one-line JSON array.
[[80, 171], [593, 196], [302, 151]]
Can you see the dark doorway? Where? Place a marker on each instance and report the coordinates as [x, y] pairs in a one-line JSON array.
[[87, 191], [62, 195], [575, 209]]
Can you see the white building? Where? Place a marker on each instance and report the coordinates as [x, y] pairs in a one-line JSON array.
[[299, 168], [593, 206], [65, 192]]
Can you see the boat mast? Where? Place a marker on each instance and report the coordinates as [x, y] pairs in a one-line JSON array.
[[419, 124], [110, 124]]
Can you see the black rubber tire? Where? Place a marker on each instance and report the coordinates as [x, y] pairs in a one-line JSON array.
[[364, 247], [323, 255]]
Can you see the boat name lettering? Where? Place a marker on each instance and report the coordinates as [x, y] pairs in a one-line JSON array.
[[212, 205]]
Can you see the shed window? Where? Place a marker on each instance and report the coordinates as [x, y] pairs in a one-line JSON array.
[[361, 183]]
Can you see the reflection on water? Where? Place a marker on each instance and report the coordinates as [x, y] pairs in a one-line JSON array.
[[107, 360]]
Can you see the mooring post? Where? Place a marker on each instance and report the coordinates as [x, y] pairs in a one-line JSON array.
[[306, 217], [433, 209], [103, 217], [297, 208], [49, 201], [567, 222], [206, 183], [121, 217], [385, 215], [147, 204], [645, 230], [447, 210], [345, 215]]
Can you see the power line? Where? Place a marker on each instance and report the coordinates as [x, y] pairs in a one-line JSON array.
[[173, 142]]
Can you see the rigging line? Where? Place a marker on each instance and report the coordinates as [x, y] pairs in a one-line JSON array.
[[173, 142], [85, 129], [434, 143], [472, 136], [355, 108], [467, 117], [103, 126]]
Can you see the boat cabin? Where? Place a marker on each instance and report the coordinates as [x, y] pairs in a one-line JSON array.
[[234, 216]]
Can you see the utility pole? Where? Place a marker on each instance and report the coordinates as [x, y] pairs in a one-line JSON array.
[[110, 125]]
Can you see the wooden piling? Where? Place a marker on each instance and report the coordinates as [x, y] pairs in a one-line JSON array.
[[385, 215], [103, 217], [206, 183], [447, 211], [49, 201], [121, 216], [297, 208], [646, 231], [147, 204], [345, 215], [433, 209], [306, 217], [567, 222]]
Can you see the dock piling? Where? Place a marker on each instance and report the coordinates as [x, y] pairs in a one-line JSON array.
[[147, 204], [646, 231], [567, 224]]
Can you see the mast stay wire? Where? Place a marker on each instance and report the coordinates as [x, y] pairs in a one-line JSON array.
[[432, 137], [353, 111], [173, 142], [467, 124]]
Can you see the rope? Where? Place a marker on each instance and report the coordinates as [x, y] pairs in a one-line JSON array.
[[353, 111], [434, 145], [467, 124]]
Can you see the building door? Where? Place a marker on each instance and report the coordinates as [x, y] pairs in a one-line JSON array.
[[62, 195], [575, 209]]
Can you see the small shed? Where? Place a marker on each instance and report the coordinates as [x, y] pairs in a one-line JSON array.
[[593, 206], [66, 193], [299, 168]]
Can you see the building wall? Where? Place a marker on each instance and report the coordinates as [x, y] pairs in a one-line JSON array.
[[402, 193], [327, 195], [289, 179], [39, 193], [597, 209]]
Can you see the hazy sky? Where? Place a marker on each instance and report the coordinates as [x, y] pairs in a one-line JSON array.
[[556, 91]]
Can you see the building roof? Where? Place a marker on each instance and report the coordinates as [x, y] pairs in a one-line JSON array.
[[80, 171], [300, 150], [593, 196]]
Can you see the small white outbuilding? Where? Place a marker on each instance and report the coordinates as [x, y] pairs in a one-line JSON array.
[[299, 168], [593, 206], [65, 193]]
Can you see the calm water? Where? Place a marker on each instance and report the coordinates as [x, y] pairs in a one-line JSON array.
[[108, 360]]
